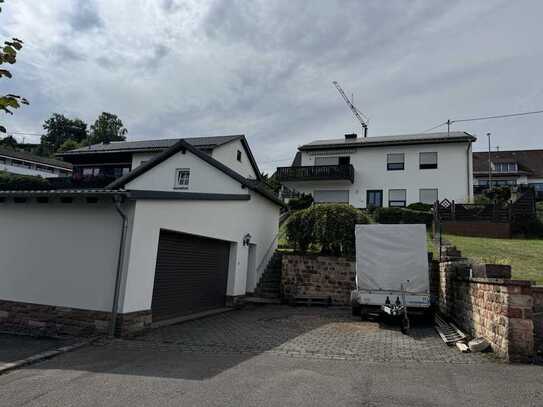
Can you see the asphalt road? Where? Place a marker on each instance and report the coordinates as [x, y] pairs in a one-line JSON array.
[[15, 347], [110, 375]]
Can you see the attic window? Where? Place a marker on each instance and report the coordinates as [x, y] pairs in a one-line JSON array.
[[238, 156], [182, 178]]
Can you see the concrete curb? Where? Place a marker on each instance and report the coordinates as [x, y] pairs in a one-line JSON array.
[[6, 367]]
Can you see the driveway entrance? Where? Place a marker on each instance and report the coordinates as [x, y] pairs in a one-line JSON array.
[[330, 333]]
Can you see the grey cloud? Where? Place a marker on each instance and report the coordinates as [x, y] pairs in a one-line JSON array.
[[85, 17], [64, 53]]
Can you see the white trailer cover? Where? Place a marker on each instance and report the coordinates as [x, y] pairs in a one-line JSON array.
[[390, 255]]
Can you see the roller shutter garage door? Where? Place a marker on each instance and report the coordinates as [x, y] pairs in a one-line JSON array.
[[190, 276]]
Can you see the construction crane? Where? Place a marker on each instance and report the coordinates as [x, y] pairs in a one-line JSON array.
[[361, 117]]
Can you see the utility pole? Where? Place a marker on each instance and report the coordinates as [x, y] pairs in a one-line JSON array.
[[448, 127], [489, 164]]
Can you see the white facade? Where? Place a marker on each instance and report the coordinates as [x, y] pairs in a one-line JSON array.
[[229, 221], [451, 178], [66, 254], [62, 254], [239, 162]]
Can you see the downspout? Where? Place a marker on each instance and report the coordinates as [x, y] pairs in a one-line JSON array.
[[118, 277], [470, 175]]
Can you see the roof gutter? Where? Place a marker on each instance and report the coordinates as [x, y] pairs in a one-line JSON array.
[[117, 199]]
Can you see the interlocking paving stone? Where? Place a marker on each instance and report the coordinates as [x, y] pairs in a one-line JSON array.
[[329, 333]]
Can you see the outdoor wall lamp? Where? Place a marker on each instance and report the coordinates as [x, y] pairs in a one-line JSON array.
[[246, 239]]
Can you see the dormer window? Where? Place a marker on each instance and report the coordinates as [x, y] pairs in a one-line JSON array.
[[505, 167]]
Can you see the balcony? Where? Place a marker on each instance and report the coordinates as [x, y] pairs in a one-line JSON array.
[[316, 173]]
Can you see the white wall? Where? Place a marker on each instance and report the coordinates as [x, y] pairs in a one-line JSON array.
[[227, 154], [225, 220], [59, 253], [452, 178], [203, 177], [15, 169]]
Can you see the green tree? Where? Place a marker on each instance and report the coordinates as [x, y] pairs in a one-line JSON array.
[[8, 55], [59, 129], [108, 127], [68, 145], [271, 181], [9, 142]]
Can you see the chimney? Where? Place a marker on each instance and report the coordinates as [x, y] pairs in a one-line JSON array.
[[351, 136]]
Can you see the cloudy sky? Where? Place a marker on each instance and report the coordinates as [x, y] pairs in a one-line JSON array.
[[175, 68]]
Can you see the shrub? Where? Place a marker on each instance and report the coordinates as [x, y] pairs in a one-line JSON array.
[[329, 225], [419, 206], [304, 201], [402, 215], [299, 229], [388, 215], [12, 182], [414, 217]]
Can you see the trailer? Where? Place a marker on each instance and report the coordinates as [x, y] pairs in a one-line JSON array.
[[392, 273]]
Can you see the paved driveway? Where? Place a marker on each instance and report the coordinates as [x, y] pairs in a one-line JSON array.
[[273, 356], [329, 333]]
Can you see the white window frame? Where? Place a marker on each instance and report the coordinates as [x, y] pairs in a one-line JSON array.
[[428, 165], [389, 162], [397, 203], [506, 167], [429, 189], [182, 178]]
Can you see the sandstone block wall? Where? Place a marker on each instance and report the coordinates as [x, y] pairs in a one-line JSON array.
[[503, 311], [318, 276]]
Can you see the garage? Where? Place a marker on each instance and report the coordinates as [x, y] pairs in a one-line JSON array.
[[191, 275]]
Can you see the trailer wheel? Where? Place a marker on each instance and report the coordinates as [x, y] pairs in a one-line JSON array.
[[356, 309]]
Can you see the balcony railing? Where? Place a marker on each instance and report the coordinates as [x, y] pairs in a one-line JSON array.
[[316, 172]]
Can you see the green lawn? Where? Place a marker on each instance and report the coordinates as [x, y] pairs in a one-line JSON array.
[[524, 255]]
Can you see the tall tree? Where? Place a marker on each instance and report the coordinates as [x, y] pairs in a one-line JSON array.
[[108, 127], [8, 55], [9, 142], [59, 129]]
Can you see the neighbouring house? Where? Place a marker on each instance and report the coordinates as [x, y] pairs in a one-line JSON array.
[[24, 163], [508, 168], [118, 158], [187, 229], [384, 171]]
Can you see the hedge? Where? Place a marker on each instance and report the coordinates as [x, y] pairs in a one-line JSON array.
[[330, 226], [304, 201], [402, 215]]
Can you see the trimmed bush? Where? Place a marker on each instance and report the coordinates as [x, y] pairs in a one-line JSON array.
[[299, 229], [419, 206], [330, 226], [388, 215], [402, 215], [304, 201]]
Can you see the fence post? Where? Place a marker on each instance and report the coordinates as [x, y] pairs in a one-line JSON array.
[[453, 210]]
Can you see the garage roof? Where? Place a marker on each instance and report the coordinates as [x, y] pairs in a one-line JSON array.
[[254, 185]]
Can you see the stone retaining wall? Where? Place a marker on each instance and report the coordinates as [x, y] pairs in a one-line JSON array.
[[537, 293], [500, 310], [318, 276], [49, 320]]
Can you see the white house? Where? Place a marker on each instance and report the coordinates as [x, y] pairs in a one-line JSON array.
[[384, 171], [508, 168], [182, 233], [24, 163]]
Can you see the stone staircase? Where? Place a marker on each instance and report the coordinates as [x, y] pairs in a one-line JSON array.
[[269, 286]]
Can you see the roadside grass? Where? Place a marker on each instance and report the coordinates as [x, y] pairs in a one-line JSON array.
[[524, 255]]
